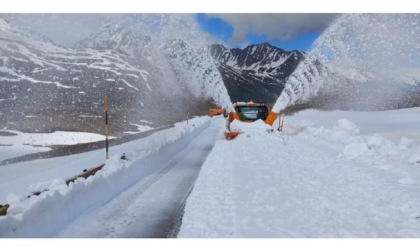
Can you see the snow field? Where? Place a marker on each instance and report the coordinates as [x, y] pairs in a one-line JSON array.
[[46, 214], [25, 143]]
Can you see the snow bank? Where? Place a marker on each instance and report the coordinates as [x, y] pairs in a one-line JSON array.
[[346, 135], [46, 214], [347, 126], [355, 150], [379, 138], [392, 124]]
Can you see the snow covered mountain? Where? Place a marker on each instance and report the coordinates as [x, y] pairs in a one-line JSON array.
[[41, 81], [257, 72]]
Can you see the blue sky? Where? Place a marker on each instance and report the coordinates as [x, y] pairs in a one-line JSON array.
[[292, 34]]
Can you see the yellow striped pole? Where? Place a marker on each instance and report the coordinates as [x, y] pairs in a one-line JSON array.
[[106, 126]]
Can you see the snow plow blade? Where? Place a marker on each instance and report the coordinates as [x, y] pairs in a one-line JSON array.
[[216, 111], [271, 118], [231, 135], [249, 112]]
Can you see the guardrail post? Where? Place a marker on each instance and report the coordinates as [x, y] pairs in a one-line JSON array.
[[3, 209]]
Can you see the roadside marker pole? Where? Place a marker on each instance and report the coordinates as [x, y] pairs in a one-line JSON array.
[[106, 126], [280, 128]]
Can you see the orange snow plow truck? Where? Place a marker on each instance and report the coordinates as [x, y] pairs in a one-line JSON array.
[[249, 112]]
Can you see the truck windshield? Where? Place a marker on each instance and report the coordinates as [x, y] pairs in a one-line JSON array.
[[252, 113]]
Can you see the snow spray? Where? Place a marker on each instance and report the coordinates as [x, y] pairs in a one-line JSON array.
[[361, 61]]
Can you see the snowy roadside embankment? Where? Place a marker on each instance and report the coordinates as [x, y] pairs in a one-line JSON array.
[[309, 182], [391, 124], [45, 215], [47, 139], [393, 142], [15, 143]]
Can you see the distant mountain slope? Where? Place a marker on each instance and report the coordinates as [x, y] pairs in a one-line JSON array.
[[85, 74], [257, 72], [44, 87], [38, 77]]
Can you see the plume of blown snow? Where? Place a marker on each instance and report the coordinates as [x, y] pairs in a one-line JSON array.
[[368, 57], [188, 52], [176, 48]]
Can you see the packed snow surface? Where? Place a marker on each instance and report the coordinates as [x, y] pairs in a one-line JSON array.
[[335, 180]]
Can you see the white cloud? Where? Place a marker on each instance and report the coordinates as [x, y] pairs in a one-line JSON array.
[[284, 26]]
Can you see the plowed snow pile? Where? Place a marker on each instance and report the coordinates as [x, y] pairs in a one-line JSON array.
[[319, 178]]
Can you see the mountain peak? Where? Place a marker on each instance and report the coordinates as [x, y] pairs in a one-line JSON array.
[[260, 69], [265, 44]]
